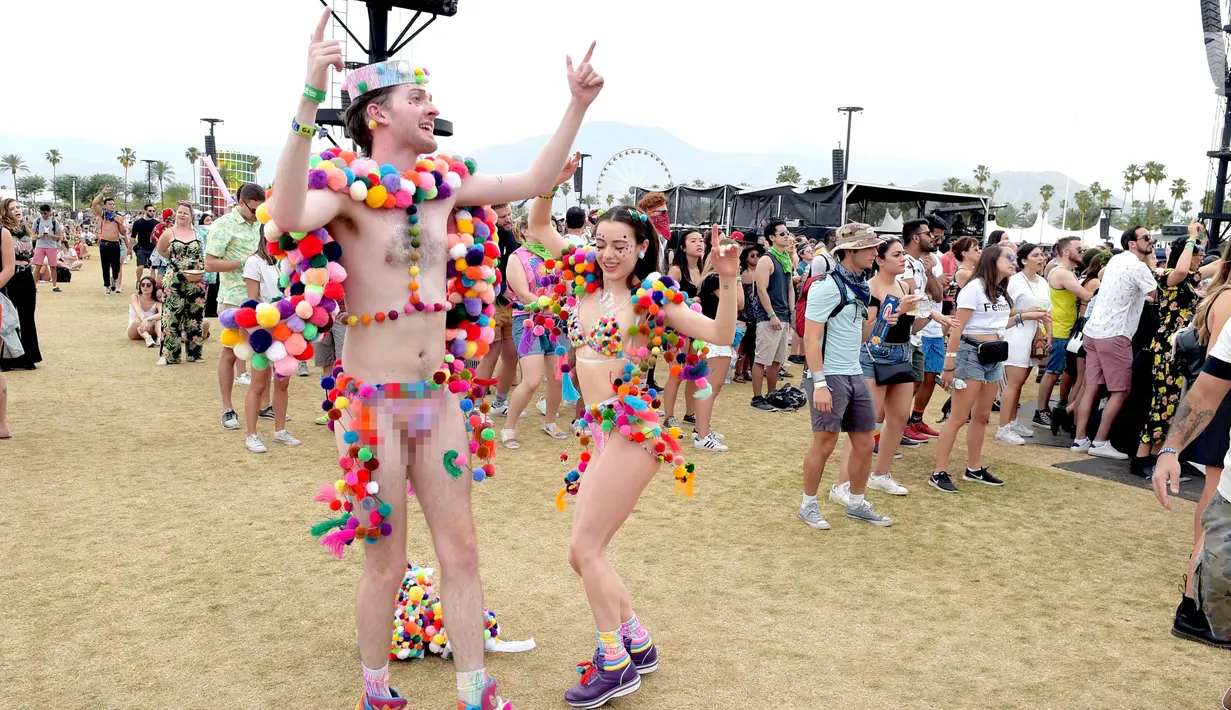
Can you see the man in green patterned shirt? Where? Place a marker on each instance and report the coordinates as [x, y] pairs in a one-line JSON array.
[[233, 238]]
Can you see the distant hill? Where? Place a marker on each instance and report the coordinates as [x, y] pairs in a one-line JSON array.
[[1017, 188]]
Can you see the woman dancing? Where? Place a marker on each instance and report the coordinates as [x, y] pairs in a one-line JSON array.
[[184, 303], [705, 436], [631, 442]]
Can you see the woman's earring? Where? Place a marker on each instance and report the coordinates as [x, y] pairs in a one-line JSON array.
[[641, 255], [371, 124]]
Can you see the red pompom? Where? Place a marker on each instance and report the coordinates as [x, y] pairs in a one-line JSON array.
[[306, 354], [246, 318], [333, 290], [309, 246]]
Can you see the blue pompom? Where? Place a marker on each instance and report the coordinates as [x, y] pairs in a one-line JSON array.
[[328, 383], [350, 437]]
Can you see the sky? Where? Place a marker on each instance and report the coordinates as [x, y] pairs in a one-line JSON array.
[[1080, 86]]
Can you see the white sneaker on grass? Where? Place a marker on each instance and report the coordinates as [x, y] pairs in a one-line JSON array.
[[282, 436], [709, 443], [841, 494], [255, 445], [1007, 435], [1023, 429], [887, 484], [1080, 447], [244, 379]]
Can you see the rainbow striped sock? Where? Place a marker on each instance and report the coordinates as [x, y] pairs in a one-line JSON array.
[[614, 655], [635, 632]]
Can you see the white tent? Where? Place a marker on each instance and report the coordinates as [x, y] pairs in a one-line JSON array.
[[1044, 233]]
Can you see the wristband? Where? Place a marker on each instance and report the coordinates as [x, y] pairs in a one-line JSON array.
[[1169, 450], [949, 369], [313, 94], [820, 384], [306, 130], [550, 195], [950, 354]]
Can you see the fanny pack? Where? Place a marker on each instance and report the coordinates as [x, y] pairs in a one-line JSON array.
[[989, 353]]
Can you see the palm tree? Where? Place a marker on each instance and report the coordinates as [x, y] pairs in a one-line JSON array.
[[822, 182], [952, 185], [13, 164], [1025, 215], [1186, 207], [193, 155], [163, 171], [128, 158], [1132, 174], [1155, 173], [256, 166], [1179, 188], [995, 188], [1084, 201], [982, 175], [610, 200], [565, 189], [53, 157], [1046, 192]]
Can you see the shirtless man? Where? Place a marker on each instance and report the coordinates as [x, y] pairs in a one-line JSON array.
[[394, 124], [111, 229]]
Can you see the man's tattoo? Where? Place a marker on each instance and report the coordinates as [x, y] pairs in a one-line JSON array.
[[1187, 423], [500, 179]]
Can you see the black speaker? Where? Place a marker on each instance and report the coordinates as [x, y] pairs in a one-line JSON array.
[[211, 149], [1104, 227], [839, 165], [448, 8], [577, 181]]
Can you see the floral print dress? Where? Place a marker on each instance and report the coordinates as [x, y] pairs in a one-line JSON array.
[[1176, 305], [183, 306]]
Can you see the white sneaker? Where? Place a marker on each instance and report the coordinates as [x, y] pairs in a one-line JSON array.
[[162, 361], [500, 408], [1080, 447], [887, 484], [284, 437], [255, 445], [1007, 435], [302, 370], [709, 443], [1107, 451], [1023, 429], [542, 406], [149, 342], [718, 435], [841, 494], [244, 379]]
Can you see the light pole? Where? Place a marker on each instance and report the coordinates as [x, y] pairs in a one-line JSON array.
[[850, 111]]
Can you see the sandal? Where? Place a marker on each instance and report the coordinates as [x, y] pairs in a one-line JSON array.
[[508, 437], [550, 429]]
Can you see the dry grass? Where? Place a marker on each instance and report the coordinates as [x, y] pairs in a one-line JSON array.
[[152, 562]]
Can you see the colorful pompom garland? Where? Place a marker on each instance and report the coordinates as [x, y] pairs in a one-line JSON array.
[[418, 622], [280, 334]]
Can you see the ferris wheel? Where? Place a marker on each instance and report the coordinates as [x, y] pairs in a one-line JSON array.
[[632, 168]]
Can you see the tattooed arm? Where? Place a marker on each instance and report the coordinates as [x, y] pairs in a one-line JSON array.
[[1192, 417]]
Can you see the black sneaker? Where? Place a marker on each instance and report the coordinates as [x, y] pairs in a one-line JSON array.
[[797, 359], [267, 413], [1042, 419], [1190, 623], [759, 402], [982, 476], [784, 374], [996, 405], [690, 419], [941, 482]]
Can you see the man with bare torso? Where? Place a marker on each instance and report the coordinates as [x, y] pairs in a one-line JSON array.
[[111, 229], [393, 122]]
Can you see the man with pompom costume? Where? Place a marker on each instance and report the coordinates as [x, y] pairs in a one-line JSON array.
[[394, 398]]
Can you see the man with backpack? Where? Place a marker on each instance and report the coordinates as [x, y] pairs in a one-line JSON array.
[[47, 234], [837, 313]]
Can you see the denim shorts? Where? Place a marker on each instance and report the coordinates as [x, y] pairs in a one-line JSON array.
[[1055, 356], [883, 354], [537, 346], [969, 368]]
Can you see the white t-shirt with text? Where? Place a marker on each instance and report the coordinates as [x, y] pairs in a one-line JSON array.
[[987, 318]]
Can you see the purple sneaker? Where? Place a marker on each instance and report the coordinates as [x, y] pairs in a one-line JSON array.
[[645, 656], [597, 686]]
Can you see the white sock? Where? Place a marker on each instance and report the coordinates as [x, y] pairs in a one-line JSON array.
[[807, 500], [856, 500], [1079, 442], [1099, 443]]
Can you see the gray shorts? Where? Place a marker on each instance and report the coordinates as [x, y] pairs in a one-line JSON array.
[[1212, 576], [916, 362], [853, 409], [969, 368], [771, 344], [328, 349]]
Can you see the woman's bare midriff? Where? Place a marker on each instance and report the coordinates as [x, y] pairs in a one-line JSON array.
[[595, 378], [376, 255]]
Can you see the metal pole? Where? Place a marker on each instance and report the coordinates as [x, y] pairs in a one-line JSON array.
[[1064, 220], [850, 111], [1220, 184]]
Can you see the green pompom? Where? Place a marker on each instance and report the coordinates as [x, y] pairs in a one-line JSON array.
[[450, 467], [365, 454]]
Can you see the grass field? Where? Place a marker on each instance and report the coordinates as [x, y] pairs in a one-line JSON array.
[[150, 561]]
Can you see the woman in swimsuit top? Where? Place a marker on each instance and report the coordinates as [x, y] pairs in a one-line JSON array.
[[626, 254], [686, 270]]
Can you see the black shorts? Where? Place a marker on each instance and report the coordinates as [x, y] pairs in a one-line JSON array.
[[143, 255]]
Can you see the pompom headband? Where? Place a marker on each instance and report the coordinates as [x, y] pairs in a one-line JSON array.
[[382, 75]]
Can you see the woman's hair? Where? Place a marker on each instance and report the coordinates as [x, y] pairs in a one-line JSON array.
[[1093, 260], [995, 237], [153, 286], [644, 235], [185, 203], [709, 269], [520, 225], [883, 249], [1023, 253], [1220, 283], [8, 222], [262, 250], [960, 246], [750, 249], [986, 270], [679, 257], [1173, 254]]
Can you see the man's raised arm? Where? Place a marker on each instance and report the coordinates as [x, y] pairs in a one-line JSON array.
[[584, 86], [291, 205]]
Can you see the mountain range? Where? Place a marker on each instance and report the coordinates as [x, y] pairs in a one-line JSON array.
[[1017, 188], [602, 140]]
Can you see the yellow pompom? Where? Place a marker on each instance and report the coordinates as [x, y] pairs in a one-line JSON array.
[[376, 196], [340, 485], [230, 337], [414, 271], [262, 214], [341, 402], [267, 315], [465, 226]]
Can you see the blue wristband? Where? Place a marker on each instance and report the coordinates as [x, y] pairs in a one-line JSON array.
[[1169, 450]]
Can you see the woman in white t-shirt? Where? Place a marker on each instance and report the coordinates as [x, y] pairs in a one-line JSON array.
[[261, 276], [1029, 293], [984, 312]]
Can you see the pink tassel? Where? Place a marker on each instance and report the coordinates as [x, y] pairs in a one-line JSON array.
[[336, 540], [327, 494]]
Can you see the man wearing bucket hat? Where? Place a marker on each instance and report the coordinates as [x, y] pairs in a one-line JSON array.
[[835, 320]]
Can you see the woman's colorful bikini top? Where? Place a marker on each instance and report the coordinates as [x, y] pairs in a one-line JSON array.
[[604, 337]]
